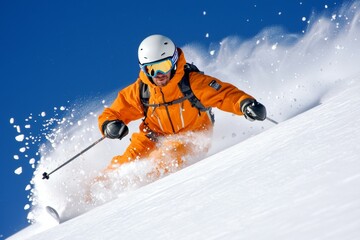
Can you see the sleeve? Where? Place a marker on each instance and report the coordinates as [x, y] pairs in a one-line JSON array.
[[126, 107], [212, 92]]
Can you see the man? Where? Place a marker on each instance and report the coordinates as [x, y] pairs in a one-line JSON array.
[[168, 113]]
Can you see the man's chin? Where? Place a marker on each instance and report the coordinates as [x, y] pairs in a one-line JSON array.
[[161, 83]]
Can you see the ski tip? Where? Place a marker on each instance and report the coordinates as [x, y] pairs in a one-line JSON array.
[[53, 213]]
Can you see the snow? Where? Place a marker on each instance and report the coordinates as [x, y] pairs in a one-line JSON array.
[[23, 149], [20, 137], [18, 171], [299, 179]]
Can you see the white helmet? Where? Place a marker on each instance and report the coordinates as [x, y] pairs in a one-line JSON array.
[[155, 48]]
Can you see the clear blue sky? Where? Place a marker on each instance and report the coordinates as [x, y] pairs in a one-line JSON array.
[[52, 52]]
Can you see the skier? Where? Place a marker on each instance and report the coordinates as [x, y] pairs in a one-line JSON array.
[[165, 110]]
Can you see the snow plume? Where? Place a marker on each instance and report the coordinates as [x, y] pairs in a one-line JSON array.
[[288, 73], [84, 184], [73, 132], [160, 163]]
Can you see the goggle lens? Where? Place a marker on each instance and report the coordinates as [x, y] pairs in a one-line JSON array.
[[152, 69]]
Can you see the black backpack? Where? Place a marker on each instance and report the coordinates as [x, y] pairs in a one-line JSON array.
[[185, 88]]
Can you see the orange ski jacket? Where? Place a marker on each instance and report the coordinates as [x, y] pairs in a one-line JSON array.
[[178, 117]]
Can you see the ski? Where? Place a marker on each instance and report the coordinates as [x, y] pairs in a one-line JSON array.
[[53, 213]]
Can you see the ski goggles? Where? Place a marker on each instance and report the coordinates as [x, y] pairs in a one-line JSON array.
[[153, 69], [163, 66]]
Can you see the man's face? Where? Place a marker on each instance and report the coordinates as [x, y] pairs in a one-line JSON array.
[[162, 79]]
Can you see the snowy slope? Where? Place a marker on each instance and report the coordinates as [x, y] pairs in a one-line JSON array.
[[295, 180], [298, 180]]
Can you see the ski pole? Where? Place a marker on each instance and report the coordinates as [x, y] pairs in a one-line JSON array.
[[272, 120], [47, 175]]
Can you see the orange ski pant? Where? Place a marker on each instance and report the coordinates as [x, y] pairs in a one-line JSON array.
[[142, 147]]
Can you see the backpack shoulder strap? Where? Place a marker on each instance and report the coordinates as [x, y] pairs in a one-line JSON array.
[[189, 67], [185, 88], [144, 96]]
